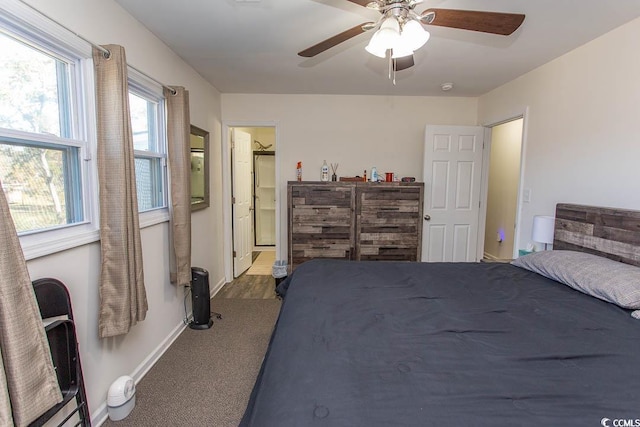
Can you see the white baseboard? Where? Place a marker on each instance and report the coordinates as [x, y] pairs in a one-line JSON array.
[[216, 288], [490, 257], [100, 415], [493, 258], [264, 248]]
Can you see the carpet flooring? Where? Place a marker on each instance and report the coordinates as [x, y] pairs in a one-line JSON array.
[[206, 376]]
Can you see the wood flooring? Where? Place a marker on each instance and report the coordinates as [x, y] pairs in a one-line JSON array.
[[249, 287]]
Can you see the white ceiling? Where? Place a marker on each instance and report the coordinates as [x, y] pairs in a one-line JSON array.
[[250, 46]]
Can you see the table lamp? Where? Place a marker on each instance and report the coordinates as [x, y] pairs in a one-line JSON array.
[[543, 229]]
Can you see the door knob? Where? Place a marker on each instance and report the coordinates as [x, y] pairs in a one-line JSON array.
[[427, 217]]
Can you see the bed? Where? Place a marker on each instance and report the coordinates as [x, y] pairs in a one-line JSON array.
[[552, 341]]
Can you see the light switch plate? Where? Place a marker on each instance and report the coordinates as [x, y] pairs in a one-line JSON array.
[[526, 195]]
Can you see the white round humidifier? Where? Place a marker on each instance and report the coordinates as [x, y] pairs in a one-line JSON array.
[[121, 398]]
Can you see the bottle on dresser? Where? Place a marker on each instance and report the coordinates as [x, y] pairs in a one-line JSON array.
[[374, 174], [324, 172]]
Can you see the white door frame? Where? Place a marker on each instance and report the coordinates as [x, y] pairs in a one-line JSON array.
[[521, 113], [227, 180]]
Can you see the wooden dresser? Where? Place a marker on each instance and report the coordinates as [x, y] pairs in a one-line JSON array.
[[354, 221]]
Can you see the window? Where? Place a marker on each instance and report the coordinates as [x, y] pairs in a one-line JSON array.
[[47, 134], [46, 89], [146, 103], [42, 135]]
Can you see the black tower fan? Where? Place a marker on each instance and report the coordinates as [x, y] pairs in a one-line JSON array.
[[200, 302]]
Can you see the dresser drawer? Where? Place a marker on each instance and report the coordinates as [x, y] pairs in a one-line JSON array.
[[321, 221], [389, 222]]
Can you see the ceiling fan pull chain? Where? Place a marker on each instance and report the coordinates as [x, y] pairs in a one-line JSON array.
[[392, 69]]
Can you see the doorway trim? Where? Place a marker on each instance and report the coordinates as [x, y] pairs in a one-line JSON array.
[[227, 181], [518, 113]]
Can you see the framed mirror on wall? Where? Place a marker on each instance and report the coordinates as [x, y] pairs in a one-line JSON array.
[[199, 140]]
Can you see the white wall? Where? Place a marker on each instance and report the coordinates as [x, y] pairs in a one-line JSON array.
[[266, 135], [502, 197], [357, 132], [104, 21], [582, 131]]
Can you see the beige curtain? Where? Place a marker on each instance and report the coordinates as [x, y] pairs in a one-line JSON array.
[[123, 299], [28, 383], [179, 156]]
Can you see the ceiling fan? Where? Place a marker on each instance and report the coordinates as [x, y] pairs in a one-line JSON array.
[[399, 19]]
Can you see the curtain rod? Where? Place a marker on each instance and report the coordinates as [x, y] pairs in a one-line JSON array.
[[104, 51]]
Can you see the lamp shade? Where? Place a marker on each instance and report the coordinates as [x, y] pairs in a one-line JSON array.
[[413, 36], [543, 229], [375, 48], [387, 36]]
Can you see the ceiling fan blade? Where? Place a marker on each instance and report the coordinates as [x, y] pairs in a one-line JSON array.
[[486, 22], [332, 41], [403, 63], [360, 2]]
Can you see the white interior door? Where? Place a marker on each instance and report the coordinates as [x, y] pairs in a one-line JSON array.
[[242, 245], [452, 175]]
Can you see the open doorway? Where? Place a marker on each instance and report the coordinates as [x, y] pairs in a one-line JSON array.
[[503, 189], [253, 199]]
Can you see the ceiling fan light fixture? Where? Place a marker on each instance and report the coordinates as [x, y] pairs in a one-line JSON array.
[[414, 36], [375, 50], [400, 29], [392, 23], [388, 36]]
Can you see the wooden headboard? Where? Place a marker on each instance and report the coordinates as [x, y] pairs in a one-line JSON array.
[[607, 232]]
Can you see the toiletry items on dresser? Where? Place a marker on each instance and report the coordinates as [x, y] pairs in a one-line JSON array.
[[374, 174], [334, 169], [324, 172]]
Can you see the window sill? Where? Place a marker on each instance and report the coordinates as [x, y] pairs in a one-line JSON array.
[[153, 217], [47, 243], [38, 245]]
